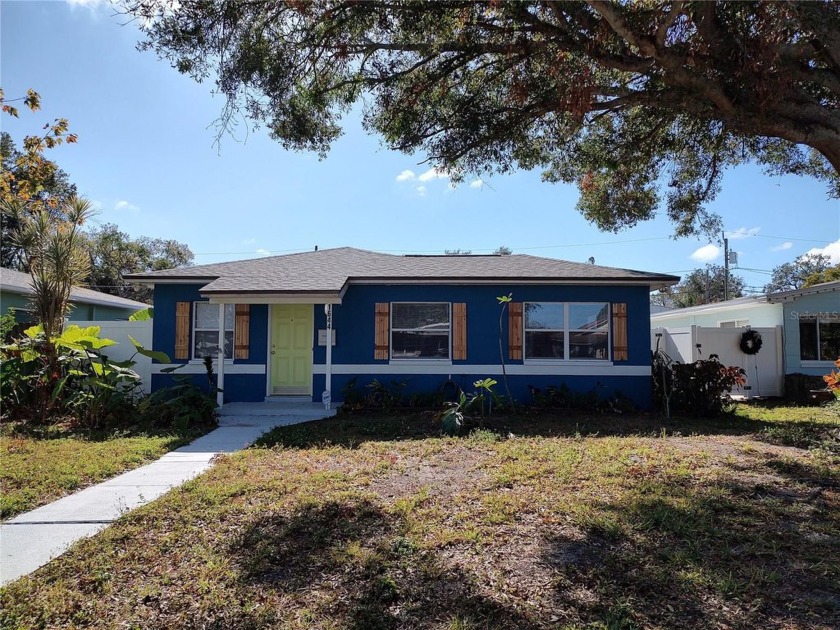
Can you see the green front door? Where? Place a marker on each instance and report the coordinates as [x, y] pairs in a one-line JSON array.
[[291, 349]]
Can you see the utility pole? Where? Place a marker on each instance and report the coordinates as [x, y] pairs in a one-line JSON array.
[[725, 266]]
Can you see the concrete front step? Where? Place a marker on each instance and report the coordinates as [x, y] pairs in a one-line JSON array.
[[313, 411]]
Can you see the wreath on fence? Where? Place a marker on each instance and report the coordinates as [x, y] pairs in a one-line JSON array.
[[751, 342]]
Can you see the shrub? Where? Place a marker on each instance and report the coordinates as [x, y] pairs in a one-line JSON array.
[[181, 406], [701, 388], [44, 378], [562, 397]]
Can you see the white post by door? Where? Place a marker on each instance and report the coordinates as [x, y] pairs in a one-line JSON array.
[[220, 359], [326, 397]]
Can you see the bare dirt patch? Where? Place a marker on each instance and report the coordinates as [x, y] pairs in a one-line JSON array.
[[437, 474]]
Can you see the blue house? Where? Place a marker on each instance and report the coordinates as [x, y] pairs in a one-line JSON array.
[[420, 320]]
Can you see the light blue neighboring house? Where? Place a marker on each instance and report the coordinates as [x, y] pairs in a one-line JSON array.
[[812, 327], [88, 305]]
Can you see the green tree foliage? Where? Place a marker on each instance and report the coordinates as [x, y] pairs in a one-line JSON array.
[[28, 180], [794, 275], [701, 286], [114, 253], [50, 188], [638, 103], [832, 274]]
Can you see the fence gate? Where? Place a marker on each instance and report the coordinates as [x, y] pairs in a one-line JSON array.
[[765, 370]]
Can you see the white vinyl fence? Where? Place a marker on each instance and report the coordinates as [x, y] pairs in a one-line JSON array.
[[765, 370], [124, 350]]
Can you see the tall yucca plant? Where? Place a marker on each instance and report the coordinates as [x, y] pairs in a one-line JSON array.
[[53, 250]]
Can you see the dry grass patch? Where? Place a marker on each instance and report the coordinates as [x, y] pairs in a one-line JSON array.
[[40, 466], [539, 522]]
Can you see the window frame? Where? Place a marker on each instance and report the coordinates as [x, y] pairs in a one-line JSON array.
[[391, 330], [567, 331], [194, 329], [816, 320]]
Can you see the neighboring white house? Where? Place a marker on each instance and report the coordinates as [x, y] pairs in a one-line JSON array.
[[801, 330], [754, 311]]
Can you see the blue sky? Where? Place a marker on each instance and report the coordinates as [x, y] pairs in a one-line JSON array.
[[147, 157]]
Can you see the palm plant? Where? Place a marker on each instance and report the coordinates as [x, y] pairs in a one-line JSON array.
[[54, 253]]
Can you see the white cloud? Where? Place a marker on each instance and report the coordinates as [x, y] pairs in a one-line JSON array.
[[262, 252], [707, 253], [84, 3], [405, 176], [742, 232], [421, 190], [476, 183], [124, 206], [784, 246], [433, 173], [96, 205], [832, 250]]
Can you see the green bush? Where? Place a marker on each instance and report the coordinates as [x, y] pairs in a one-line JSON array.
[[181, 406], [66, 376], [699, 389], [563, 397]]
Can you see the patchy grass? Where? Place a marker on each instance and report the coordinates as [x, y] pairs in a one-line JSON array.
[[538, 522], [39, 466]]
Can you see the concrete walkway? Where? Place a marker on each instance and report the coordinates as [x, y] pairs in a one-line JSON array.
[[30, 540]]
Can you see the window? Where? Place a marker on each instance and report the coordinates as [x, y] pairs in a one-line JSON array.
[[819, 337], [734, 323], [206, 330], [561, 330], [420, 330]]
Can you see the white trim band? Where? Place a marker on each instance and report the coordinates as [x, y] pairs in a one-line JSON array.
[[198, 368], [560, 369]]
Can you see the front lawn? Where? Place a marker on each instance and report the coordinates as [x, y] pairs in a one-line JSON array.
[[40, 466], [537, 522]]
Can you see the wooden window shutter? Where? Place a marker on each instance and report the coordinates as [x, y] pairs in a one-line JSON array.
[[242, 331], [382, 336], [515, 330], [619, 332], [459, 331], [182, 330]]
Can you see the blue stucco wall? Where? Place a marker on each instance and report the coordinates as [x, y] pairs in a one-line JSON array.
[[353, 322], [238, 387], [824, 303]]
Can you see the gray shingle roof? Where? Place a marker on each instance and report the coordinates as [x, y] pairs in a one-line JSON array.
[[21, 283], [328, 270]]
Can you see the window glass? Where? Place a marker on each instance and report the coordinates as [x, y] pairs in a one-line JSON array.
[[547, 337], [588, 316], [419, 330], [808, 340], [413, 316], [545, 345], [829, 341], [545, 315], [206, 330], [588, 345]]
